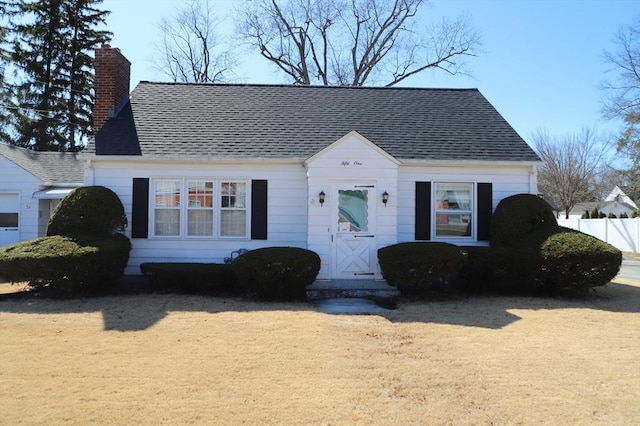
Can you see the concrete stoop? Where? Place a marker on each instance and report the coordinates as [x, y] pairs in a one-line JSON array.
[[352, 296]]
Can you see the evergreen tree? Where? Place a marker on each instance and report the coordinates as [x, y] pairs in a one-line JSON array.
[[82, 17], [51, 43], [5, 93]]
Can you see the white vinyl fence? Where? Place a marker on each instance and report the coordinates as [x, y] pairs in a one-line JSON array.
[[621, 233]]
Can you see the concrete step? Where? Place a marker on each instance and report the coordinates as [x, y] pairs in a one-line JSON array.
[[377, 291], [350, 306]]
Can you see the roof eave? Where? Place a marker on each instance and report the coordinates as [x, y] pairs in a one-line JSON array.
[[299, 160], [62, 184], [202, 159], [431, 162]]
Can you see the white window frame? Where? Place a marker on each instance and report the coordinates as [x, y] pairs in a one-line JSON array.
[[222, 208], [184, 208], [189, 207], [436, 209], [155, 207]]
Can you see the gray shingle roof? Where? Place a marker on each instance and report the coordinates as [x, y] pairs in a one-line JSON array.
[[53, 167], [200, 120]]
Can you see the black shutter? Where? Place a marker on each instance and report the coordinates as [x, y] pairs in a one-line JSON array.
[[485, 210], [258, 209], [423, 211], [140, 215]]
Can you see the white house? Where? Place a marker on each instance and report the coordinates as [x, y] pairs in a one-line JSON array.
[[617, 202], [207, 169], [31, 185]]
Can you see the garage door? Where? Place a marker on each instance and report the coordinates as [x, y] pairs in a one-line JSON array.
[[9, 218]]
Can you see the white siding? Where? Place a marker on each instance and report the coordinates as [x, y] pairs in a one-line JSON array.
[[295, 217], [287, 207], [16, 180]]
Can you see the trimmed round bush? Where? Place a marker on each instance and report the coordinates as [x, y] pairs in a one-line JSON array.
[[518, 215], [67, 265], [417, 266], [276, 273], [566, 259], [92, 210]]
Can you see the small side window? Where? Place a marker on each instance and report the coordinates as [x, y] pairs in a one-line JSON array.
[[453, 209]]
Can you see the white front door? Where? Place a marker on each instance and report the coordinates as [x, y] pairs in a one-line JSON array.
[[354, 231], [9, 218]]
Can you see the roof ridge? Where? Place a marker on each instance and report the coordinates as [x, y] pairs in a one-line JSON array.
[[311, 86]]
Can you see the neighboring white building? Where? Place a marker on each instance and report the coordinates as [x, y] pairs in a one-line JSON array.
[[207, 169], [623, 203], [31, 185], [617, 202]]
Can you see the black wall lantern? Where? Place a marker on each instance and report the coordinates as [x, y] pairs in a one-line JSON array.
[[321, 198], [385, 198]]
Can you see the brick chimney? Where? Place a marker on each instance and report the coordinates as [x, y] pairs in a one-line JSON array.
[[111, 84]]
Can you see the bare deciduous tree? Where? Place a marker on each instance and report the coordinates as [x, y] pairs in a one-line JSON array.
[[353, 42], [192, 50], [571, 167], [622, 99]]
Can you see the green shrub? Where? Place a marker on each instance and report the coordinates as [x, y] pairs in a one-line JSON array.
[[190, 277], [635, 214], [94, 210], [518, 215], [566, 259], [63, 265], [507, 270], [624, 215], [498, 270], [611, 215], [417, 266], [595, 214], [276, 273]]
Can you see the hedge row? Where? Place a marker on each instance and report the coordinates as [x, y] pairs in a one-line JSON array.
[[208, 278], [529, 252], [272, 273]]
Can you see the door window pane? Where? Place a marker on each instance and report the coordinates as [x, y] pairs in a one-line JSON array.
[[353, 210]]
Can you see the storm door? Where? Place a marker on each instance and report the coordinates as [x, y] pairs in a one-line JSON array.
[[353, 234]]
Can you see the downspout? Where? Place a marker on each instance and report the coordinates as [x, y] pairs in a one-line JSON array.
[[88, 173], [533, 180]]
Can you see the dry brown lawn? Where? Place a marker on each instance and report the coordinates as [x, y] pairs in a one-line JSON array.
[[168, 359]]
